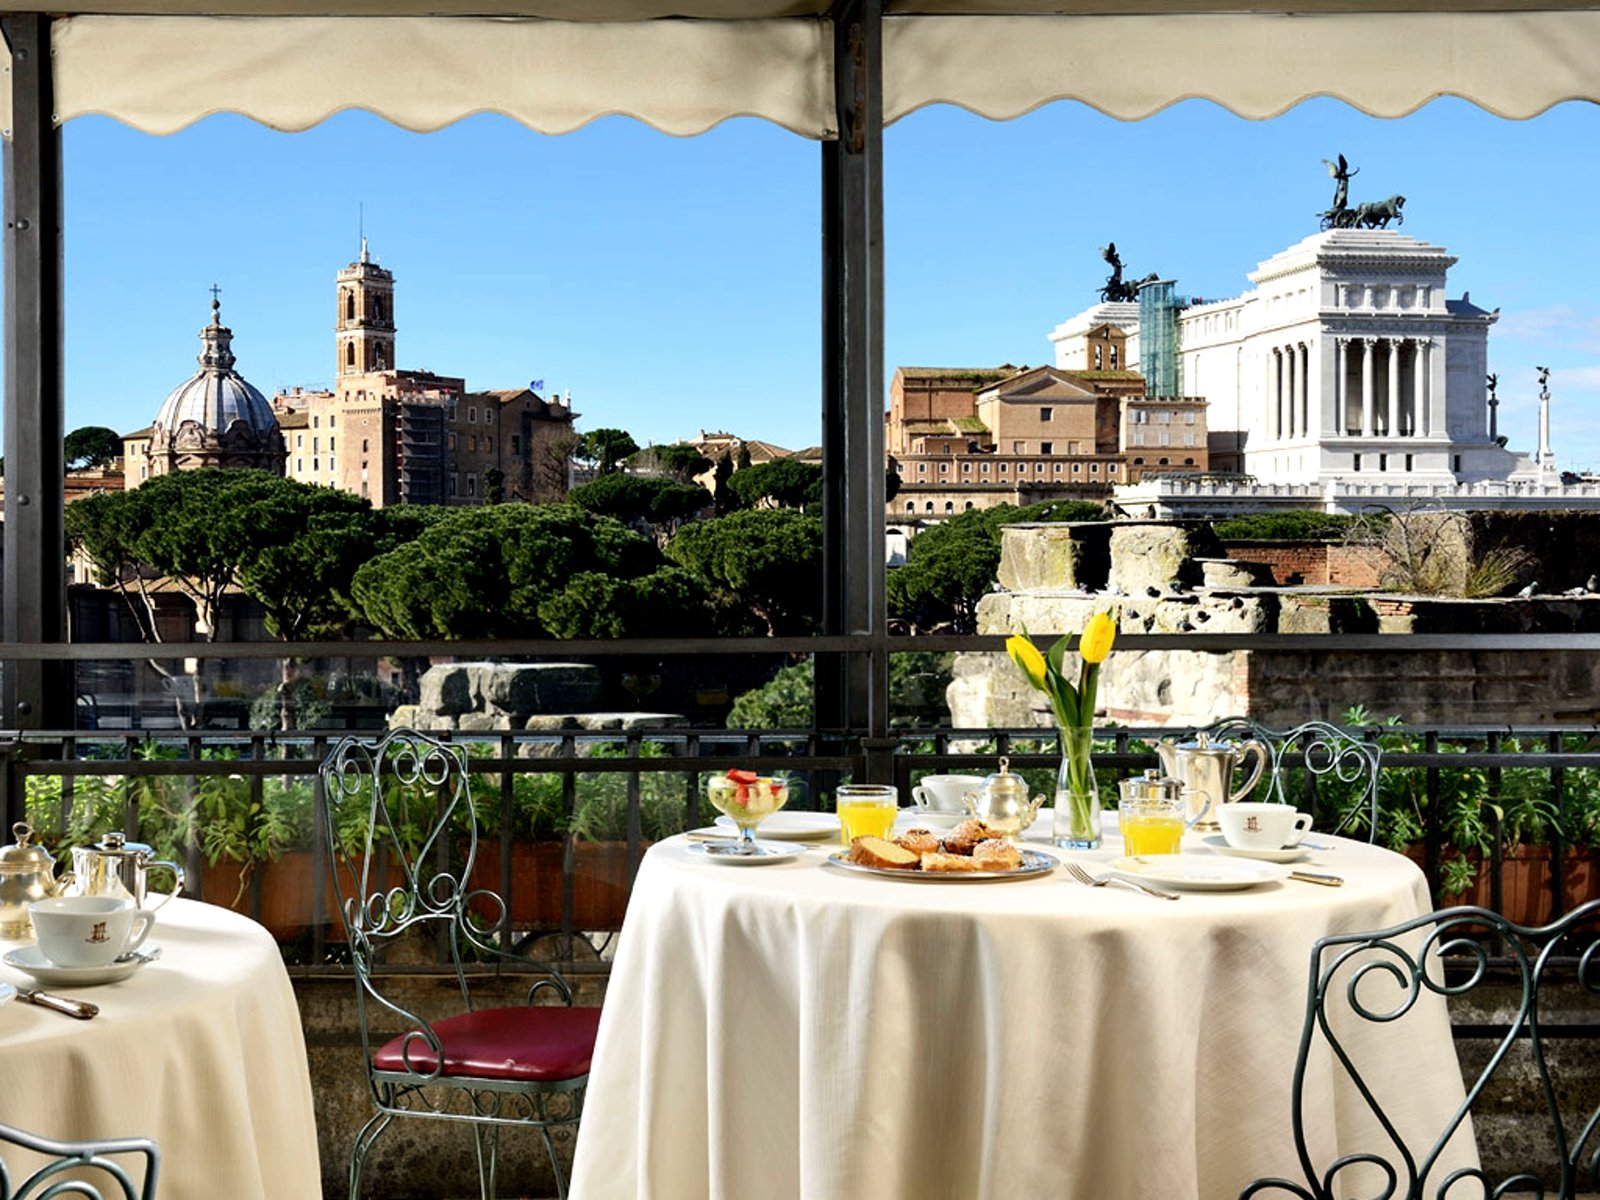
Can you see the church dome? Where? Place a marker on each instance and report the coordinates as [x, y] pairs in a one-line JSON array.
[[217, 396]]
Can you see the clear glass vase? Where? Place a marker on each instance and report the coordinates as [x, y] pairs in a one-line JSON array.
[[1077, 816]]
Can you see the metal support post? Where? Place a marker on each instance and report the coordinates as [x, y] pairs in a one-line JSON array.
[[852, 688], [33, 695]]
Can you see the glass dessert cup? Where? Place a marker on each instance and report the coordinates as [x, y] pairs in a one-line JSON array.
[[746, 799]]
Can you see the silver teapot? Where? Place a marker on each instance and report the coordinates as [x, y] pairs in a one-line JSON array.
[[1002, 803], [1205, 768], [27, 874], [114, 866]]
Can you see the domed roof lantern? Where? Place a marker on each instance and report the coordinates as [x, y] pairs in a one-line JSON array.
[[216, 341]]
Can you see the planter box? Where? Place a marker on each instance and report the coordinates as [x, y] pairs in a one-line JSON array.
[[1527, 881], [600, 882]]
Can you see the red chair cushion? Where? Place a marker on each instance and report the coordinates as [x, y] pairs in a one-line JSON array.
[[540, 1043]]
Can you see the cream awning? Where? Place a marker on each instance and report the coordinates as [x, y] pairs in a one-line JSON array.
[[773, 59]]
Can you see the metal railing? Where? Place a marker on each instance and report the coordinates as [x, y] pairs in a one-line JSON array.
[[213, 796]]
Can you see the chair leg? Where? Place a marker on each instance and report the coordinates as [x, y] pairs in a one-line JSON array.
[[486, 1140], [555, 1163], [358, 1153]]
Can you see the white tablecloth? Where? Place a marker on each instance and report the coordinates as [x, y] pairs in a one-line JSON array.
[[795, 1030], [200, 1050]]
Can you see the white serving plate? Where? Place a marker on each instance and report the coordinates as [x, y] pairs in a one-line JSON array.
[[7, 994], [791, 826], [1288, 854], [770, 852], [30, 961], [1198, 872]]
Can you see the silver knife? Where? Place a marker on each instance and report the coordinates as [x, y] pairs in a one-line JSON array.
[[1314, 877], [81, 1009]]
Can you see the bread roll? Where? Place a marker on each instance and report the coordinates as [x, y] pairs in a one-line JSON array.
[[996, 854], [937, 861], [918, 841], [965, 836]]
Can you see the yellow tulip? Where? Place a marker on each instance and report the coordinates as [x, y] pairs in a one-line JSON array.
[[1028, 659], [1097, 637]]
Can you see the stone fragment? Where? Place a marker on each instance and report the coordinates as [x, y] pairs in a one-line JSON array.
[[446, 689]]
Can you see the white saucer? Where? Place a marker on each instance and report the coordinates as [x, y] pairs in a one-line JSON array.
[[1219, 845], [1198, 872], [30, 961], [793, 826], [770, 852], [7, 994], [912, 818]]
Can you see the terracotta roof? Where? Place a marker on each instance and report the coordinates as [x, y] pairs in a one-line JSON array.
[[294, 418], [969, 424], [138, 433], [973, 375]]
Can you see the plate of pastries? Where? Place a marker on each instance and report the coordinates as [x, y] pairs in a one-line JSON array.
[[969, 851]]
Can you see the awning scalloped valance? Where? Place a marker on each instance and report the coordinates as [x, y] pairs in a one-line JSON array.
[[161, 73]]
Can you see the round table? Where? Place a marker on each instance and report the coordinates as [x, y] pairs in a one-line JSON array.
[[798, 1030], [200, 1050]]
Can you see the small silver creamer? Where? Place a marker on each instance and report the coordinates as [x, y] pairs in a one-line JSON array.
[[1002, 803]]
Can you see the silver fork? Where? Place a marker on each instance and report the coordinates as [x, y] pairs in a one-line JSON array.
[[1084, 877]]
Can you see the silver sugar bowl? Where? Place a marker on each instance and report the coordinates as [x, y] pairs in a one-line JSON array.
[[1002, 803], [27, 875]]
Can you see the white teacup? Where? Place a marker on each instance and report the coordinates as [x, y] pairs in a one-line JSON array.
[[88, 931], [1253, 825], [943, 793]]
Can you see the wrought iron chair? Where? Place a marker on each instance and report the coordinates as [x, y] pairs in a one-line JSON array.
[[403, 839], [1406, 960], [1308, 754], [86, 1170]]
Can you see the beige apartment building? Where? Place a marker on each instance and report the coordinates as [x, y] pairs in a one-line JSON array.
[[393, 436], [966, 438]]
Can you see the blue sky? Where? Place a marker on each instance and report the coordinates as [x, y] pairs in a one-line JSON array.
[[672, 284]]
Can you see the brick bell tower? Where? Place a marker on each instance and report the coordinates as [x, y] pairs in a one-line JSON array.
[[365, 324]]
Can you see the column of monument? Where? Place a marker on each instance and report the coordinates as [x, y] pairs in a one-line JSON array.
[[1341, 384], [1294, 387], [1305, 390], [1366, 387], [1420, 423], [1392, 425]]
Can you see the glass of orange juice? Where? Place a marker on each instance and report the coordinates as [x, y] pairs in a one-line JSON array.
[[866, 809], [1150, 826]]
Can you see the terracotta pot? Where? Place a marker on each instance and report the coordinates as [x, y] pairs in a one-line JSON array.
[[1526, 881], [600, 882], [287, 885]]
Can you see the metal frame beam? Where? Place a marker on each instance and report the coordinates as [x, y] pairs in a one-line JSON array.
[[36, 694], [852, 691]]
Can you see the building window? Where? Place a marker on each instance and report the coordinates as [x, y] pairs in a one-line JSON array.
[[299, 465], [1058, 468], [922, 468], [1019, 447], [983, 468], [1188, 438], [1383, 462], [1111, 468], [1188, 462], [1047, 447], [472, 485], [1455, 462], [330, 445], [333, 420], [1408, 462], [472, 441], [1077, 468], [363, 489], [488, 443], [363, 445], [966, 468], [1045, 414], [944, 468], [1094, 468], [967, 507], [929, 507], [299, 441], [516, 445], [314, 466], [314, 421], [1355, 462], [452, 485], [315, 445], [1166, 438], [911, 506], [1188, 417], [1164, 418], [1138, 437], [472, 413], [1161, 462], [1022, 468], [1002, 468], [452, 441]]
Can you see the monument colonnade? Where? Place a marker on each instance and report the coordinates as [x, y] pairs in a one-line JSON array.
[[1402, 408]]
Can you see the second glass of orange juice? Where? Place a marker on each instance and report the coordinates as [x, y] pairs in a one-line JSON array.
[[866, 810]]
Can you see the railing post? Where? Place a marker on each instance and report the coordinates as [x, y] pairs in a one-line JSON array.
[[851, 688], [35, 694]]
